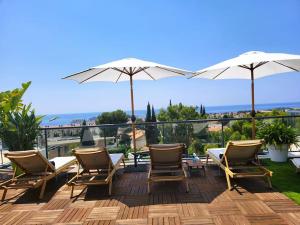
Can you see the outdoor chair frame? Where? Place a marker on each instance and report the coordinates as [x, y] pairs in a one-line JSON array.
[[240, 160], [166, 164], [37, 170], [95, 167]]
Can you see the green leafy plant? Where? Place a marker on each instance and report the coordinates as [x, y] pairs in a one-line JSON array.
[[21, 128], [277, 133], [11, 101]]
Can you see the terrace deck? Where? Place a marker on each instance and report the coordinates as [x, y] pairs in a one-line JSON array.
[[208, 202]]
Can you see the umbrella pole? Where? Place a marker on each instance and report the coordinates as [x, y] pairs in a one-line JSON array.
[[252, 96], [133, 121]]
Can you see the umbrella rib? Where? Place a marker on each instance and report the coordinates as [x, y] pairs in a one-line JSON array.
[[244, 67], [180, 73], [286, 66], [197, 74], [119, 77], [93, 75], [260, 64], [140, 70], [77, 73], [220, 73], [121, 71], [144, 69]]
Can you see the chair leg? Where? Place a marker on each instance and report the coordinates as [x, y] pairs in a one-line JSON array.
[[149, 189], [269, 182], [109, 187], [72, 191], [228, 181], [4, 194], [43, 190], [187, 185], [207, 159]]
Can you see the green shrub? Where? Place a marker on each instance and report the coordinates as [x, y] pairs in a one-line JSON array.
[[21, 128], [277, 133], [207, 146], [121, 149]]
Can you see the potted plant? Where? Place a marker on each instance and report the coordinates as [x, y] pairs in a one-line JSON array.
[[278, 138]]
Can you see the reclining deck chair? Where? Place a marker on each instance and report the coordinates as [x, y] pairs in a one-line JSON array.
[[166, 165], [37, 170], [98, 167], [239, 160]]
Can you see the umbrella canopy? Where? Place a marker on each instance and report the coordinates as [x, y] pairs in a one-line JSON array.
[[252, 65], [127, 69], [124, 69]]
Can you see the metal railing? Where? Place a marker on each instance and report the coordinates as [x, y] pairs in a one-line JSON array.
[[197, 135]]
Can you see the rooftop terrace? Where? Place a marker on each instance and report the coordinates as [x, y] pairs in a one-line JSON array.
[[208, 202]]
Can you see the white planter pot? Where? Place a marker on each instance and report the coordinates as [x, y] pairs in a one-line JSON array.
[[278, 153]]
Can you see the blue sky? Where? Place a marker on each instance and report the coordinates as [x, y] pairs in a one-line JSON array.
[[43, 41]]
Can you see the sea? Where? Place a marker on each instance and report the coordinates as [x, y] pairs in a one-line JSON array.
[[65, 119]]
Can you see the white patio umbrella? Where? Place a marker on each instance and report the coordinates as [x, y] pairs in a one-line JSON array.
[[252, 65], [127, 69]]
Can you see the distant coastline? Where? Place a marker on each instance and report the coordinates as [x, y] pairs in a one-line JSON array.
[[65, 119]]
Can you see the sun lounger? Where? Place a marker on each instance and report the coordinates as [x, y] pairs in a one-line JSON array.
[[37, 170], [293, 154], [166, 165], [98, 167], [240, 160], [296, 162]]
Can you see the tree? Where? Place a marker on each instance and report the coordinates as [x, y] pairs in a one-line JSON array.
[[148, 127], [178, 132], [201, 110], [151, 131], [170, 103], [115, 117], [153, 116]]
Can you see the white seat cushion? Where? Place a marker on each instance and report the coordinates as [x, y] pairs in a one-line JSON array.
[[116, 157], [215, 152], [296, 162], [62, 161], [294, 154]]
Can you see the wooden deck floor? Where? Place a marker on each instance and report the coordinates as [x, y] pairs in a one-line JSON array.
[[208, 202]]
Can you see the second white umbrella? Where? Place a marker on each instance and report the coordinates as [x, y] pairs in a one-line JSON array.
[[252, 65]]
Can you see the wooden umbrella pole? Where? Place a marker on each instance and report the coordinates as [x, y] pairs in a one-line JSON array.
[[133, 120], [252, 96]]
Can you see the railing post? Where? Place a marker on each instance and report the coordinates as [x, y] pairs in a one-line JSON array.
[[186, 134], [163, 133], [46, 142], [58, 151], [104, 135], [223, 141]]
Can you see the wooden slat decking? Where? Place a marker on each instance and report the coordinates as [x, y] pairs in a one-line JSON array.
[[208, 202]]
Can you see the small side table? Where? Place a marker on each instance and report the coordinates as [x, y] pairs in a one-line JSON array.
[[195, 165]]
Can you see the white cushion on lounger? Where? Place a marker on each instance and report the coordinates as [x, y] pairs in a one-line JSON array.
[[115, 158], [215, 152], [296, 162], [62, 161], [294, 155]]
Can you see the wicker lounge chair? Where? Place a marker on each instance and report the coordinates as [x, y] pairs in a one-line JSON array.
[[37, 170], [98, 167], [166, 165], [239, 160]]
